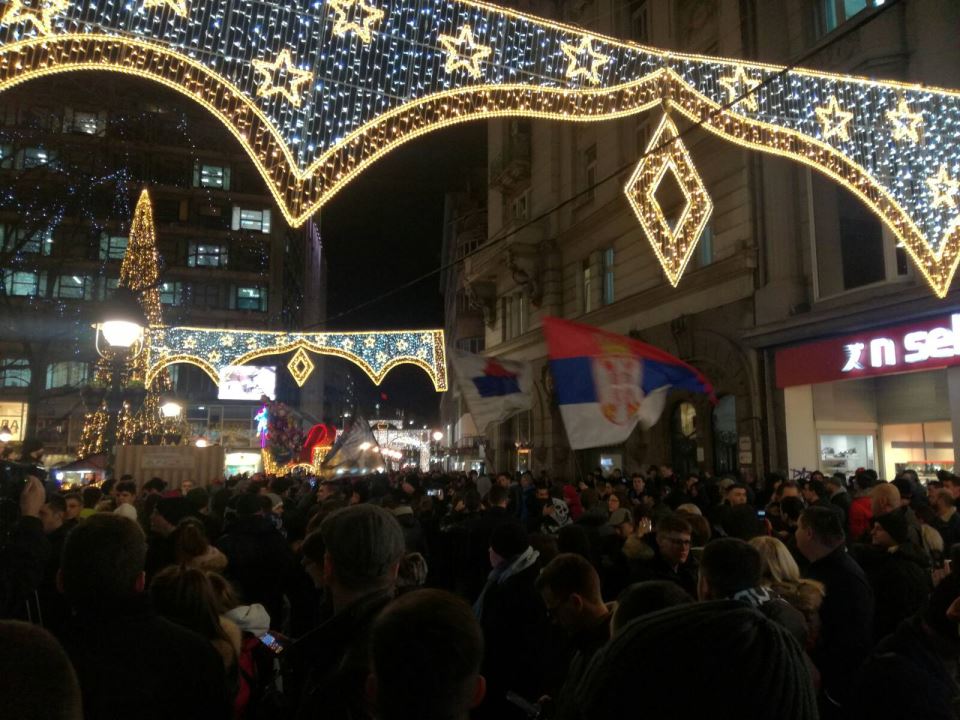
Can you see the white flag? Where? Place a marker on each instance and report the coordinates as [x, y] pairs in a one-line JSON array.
[[494, 389]]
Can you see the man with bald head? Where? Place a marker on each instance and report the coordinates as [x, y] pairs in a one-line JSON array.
[[885, 499]]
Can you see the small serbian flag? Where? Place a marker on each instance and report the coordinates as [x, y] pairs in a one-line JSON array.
[[494, 389], [607, 383]]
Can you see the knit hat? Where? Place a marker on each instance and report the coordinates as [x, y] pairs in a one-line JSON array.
[[174, 509], [738, 651], [896, 526], [364, 541], [509, 539]]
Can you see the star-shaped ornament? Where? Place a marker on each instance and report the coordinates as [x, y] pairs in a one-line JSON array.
[[40, 15], [834, 120], [356, 16], [179, 7], [944, 188], [906, 124], [464, 52], [290, 82], [596, 60], [741, 89]]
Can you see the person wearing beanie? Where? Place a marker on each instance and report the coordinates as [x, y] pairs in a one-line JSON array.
[[919, 657], [514, 623], [718, 659], [897, 572], [363, 547]]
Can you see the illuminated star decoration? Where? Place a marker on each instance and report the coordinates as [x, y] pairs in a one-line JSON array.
[[473, 53], [834, 120], [294, 77], [179, 7], [347, 12], [741, 89], [575, 52], [40, 17], [905, 123], [944, 188]]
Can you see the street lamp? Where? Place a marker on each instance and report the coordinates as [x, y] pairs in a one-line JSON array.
[[121, 325], [437, 436], [170, 407]]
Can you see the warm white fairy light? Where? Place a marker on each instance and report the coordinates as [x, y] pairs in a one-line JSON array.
[[380, 74]]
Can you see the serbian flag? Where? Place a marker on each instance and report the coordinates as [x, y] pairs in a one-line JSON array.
[[607, 383], [494, 389]]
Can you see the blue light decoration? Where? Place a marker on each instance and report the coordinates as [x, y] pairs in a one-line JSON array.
[[376, 353], [317, 90], [263, 424]]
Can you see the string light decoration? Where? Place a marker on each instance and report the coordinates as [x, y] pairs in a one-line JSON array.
[[300, 367], [214, 349], [139, 272], [289, 85], [470, 58], [673, 244], [379, 79]]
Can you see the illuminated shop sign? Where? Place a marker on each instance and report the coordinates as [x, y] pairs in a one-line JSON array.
[[922, 345]]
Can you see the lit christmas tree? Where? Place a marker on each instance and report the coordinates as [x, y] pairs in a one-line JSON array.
[[139, 272]]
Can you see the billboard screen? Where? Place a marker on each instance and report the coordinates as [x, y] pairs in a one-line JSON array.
[[247, 382]]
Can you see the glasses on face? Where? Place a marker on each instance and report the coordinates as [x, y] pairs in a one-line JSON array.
[[680, 542]]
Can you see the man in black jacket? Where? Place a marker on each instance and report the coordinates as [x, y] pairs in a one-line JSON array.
[[131, 663], [847, 612], [24, 556], [363, 547]]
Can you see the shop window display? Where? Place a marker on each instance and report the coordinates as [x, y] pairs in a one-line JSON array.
[[846, 453]]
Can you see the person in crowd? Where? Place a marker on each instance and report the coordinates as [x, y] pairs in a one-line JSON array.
[[166, 516], [259, 562], [185, 596], [838, 494], [815, 492], [553, 512], [861, 506], [779, 571], [951, 483], [721, 660], [570, 588], [514, 622], [886, 499], [425, 629], [24, 556], [91, 496], [732, 569], [37, 681], [641, 599], [846, 615], [672, 559], [130, 661], [73, 504], [897, 571], [191, 548], [125, 493], [252, 619], [54, 611], [948, 520], [412, 574], [363, 546]]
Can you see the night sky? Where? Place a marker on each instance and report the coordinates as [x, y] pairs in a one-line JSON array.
[[384, 229]]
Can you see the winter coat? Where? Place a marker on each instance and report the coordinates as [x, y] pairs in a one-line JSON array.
[[901, 584], [132, 663]]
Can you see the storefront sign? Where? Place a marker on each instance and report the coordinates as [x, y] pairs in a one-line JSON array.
[[923, 345], [13, 415]]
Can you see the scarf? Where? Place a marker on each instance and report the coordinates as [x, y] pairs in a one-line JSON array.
[[503, 572]]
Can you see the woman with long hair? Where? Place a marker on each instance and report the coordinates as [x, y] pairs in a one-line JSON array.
[[192, 548]]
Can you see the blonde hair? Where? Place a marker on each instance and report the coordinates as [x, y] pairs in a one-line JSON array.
[[778, 564]]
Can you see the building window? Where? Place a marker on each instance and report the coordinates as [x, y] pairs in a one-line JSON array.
[[6, 157], [852, 247], [112, 247], [684, 439], [506, 317], [703, 255], [211, 176], [87, 123], [250, 298], [608, 292], [170, 293], [15, 372], [203, 255], [39, 243], [258, 220], [62, 374], [34, 157], [831, 14], [589, 162], [205, 296], [110, 286], [21, 283], [73, 287], [586, 285], [725, 458], [471, 344], [640, 23], [520, 206]]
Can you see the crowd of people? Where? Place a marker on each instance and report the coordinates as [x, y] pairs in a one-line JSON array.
[[443, 597]]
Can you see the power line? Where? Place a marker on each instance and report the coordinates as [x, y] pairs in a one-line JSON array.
[[854, 26]]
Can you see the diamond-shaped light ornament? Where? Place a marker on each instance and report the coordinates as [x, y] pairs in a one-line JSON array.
[[674, 246], [300, 366]]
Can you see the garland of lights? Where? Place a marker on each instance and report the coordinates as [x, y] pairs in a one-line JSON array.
[[215, 349], [316, 92]]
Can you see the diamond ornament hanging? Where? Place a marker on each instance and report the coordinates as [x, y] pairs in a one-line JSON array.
[[673, 245], [300, 366]]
